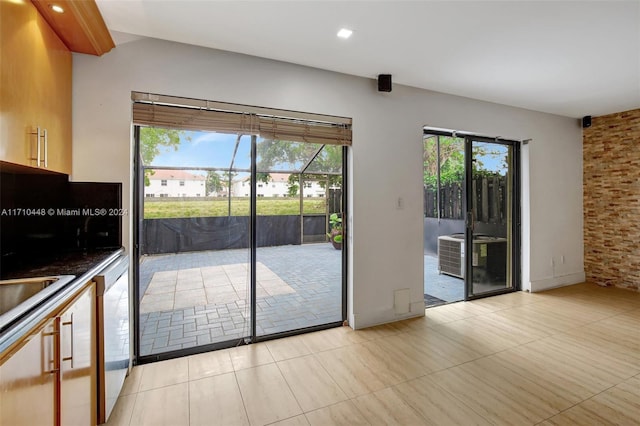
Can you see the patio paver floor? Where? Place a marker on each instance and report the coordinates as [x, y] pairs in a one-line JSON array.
[[192, 299]]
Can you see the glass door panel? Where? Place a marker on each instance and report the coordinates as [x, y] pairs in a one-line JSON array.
[[444, 213], [298, 270], [194, 270], [490, 217]]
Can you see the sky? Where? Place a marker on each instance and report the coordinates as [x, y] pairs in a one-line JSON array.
[[210, 149], [206, 149]]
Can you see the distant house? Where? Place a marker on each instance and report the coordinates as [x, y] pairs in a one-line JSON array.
[[278, 186], [175, 183]]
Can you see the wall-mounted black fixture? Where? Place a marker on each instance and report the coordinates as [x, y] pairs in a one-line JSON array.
[[586, 121], [384, 82]]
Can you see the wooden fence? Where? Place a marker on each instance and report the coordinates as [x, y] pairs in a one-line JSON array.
[[489, 202], [334, 199]]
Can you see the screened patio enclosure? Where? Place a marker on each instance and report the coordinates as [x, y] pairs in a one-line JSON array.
[[296, 198], [234, 236]]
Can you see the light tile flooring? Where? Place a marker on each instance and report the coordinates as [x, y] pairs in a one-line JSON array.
[[565, 357]]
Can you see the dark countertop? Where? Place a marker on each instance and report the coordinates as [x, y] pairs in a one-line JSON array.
[[84, 265], [64, 263]]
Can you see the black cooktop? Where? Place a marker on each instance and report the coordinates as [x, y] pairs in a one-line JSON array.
[[63, 263]]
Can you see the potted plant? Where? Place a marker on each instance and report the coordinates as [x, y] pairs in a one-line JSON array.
[[335, 235]]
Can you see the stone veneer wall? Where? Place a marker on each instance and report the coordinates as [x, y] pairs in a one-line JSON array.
[[611, 154]]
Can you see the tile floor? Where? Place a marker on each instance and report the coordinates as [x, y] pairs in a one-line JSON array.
[[570, 356], [443, 286], [183, 288]]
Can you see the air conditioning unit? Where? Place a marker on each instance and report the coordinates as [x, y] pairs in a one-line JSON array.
[[488, 257], [451, 255]]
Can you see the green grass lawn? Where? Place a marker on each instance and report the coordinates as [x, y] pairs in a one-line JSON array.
[[158, 209]]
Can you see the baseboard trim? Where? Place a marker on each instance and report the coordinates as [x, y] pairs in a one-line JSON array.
[[386, 316], [555, 282]]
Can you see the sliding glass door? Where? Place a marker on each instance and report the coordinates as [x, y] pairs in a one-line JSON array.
[[239, 230], [492, 217], [471, 216]]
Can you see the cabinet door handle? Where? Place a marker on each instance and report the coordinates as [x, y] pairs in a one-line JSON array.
[[46, 149], [50, 366], [70, 324], [38, 148], [38, 134]]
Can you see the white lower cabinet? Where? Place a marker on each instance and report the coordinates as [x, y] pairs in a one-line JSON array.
[[49, 377]]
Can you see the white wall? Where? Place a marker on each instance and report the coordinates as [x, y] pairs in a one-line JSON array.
[[385, 161]]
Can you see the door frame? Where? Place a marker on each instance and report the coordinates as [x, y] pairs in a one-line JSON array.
[[251, 337]]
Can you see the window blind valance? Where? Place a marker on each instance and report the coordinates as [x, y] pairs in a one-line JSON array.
[[198, 116], [182, 118]]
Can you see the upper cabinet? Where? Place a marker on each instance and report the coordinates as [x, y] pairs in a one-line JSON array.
[[80, 26], [36, 77], [35, 81]]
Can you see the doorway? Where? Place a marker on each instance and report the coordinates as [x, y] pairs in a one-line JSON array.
[[471, 209], [235, 234]]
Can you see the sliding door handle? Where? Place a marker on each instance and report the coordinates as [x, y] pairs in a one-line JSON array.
[[471, 222]]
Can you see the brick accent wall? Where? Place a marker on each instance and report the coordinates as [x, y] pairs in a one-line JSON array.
[[611, 167]]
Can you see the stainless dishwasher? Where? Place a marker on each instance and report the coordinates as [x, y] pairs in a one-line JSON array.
[[113, 333]]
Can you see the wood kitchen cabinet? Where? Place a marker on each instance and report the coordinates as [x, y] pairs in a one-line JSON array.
[[35, 85], [28, 379], [50, 377], [78, 360]]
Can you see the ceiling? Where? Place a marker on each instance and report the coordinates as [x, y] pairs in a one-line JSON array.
[[571, 58]]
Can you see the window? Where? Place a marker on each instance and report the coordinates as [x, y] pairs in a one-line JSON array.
[[181, 183], [163, 195], [259, 185], [150, 195], [163, 182]]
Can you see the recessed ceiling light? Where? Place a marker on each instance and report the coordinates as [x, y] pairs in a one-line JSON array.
[[56, 8], [345, 33]]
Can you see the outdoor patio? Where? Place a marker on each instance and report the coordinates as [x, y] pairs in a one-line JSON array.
[[197, 298]]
